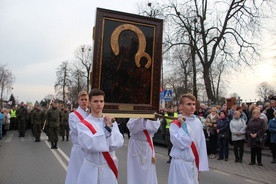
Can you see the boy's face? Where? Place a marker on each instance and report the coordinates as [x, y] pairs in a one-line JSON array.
[[97, 104], [187, 107], [83, 101]]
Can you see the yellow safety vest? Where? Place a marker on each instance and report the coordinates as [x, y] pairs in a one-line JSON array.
[[169, 120], [13, 113]]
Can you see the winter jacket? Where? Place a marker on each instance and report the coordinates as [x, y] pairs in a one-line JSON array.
[[238, 126], [272, 130], [255, 126]]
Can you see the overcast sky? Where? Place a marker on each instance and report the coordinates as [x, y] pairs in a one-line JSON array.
[[38, 35]]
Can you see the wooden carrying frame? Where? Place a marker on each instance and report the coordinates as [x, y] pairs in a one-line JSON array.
[[127, 61]]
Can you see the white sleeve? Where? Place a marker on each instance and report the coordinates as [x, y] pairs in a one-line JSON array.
[[152, 126], [203, 159], [73, 121], [136, 125], [116, 140], [179, 138], [92, 142]]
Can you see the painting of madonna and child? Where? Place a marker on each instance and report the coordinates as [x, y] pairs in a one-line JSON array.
[[127, 60]]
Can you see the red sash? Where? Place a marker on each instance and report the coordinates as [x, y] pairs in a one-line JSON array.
[[193, 147], [78, 115], [106, 155], [149, 140]]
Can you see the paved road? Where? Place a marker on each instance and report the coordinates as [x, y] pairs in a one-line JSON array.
[[24, 162]]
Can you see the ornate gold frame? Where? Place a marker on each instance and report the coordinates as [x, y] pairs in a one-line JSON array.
[[145, 34]]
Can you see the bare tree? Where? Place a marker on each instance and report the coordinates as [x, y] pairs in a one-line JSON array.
[[212, 27], [6, 81], [63, 80], [273, 58], [83, 57], [184, 63], [181, 67], [264, 90], [154, 10], [217, 73], [77, 83]]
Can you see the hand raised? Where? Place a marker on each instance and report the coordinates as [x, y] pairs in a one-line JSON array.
[[109, 120]]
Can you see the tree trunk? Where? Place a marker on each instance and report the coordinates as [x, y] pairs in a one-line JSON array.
[[207, 82], [194, 69], [2, 98], [63, 95], [87, 79]]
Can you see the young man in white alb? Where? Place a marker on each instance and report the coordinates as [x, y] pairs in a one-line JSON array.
[[99, 136], [189, 155], [77, 154], [141, 155]]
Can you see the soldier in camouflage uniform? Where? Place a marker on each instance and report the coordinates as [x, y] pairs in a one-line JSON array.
[[64, 126], [61, 114], [29, 120], [53, 118], [37, 119], [45, 126], [22, 114]]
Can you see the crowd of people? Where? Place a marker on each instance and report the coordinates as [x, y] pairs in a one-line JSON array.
[[253, 125], [38, 119], [13, 119], [96, 137], [5, 119]]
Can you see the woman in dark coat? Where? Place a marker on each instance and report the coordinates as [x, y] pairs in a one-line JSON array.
[[255, 132], [223, 135], [272, 130]]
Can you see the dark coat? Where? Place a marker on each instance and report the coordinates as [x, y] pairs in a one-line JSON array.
[[257, 126], [269, 113], [22, 113], [65, 117], [37, 116], [53, 118], [223, 126], [272, 130]]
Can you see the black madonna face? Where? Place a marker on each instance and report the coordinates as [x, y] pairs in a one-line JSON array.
[[128, 43]]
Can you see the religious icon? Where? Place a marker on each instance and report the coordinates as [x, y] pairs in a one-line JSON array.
[[127, 60]]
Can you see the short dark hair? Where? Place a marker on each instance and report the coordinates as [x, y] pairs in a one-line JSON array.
[[224, 112], [96, 92]]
